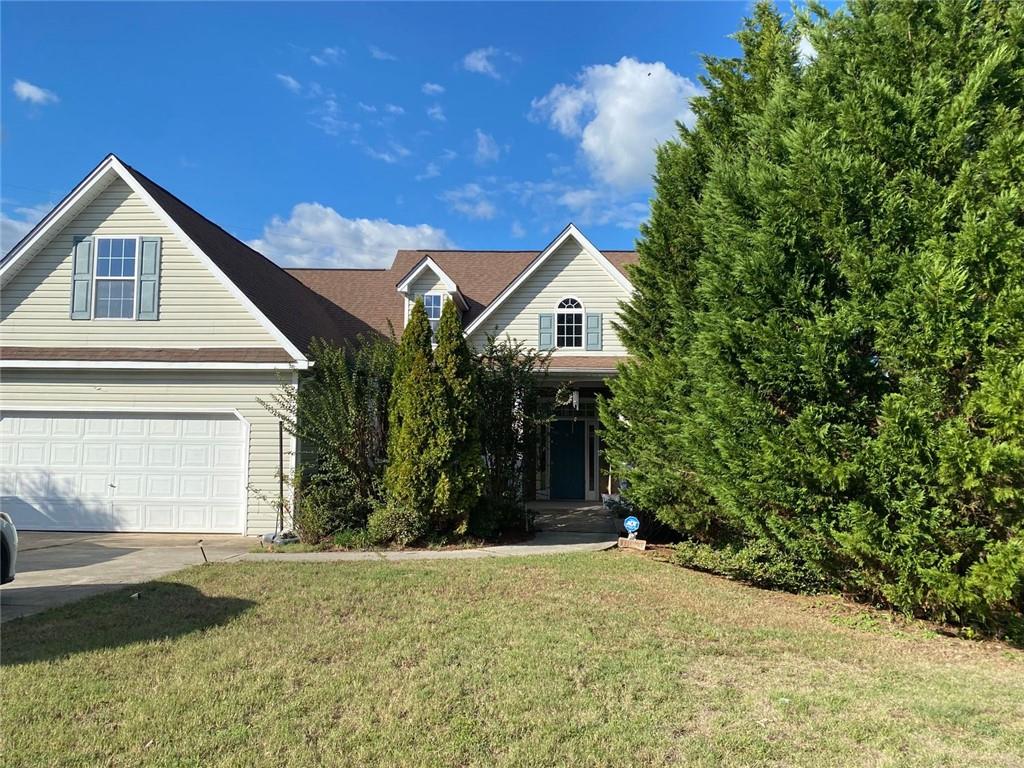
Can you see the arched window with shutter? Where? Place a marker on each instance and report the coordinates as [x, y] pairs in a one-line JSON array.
[[569, 323]]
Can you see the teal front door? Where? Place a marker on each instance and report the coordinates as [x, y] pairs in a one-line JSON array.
[[568, 459]]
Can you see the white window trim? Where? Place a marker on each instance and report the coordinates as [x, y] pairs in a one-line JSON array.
[[581, 311], [443, 296], [134, 279], [410, 299]]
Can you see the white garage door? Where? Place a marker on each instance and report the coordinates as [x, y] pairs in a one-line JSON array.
[[122, 472]]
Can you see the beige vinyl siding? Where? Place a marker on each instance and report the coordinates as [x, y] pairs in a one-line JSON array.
[[569, 271], [168, 391], [428, 282], [196, 310]]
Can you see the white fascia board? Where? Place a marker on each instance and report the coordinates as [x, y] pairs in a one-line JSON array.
[[19, 256], [153, 365], [570, 231]]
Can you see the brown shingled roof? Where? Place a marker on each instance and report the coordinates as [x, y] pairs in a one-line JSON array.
[[293, 309], [370, 298]]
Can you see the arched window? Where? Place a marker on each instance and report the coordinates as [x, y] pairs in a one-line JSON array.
[[569, 323]]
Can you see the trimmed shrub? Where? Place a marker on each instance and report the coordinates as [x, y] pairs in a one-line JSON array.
[[758, 563]]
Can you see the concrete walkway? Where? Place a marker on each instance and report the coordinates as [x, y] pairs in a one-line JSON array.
[[541, 544], [58, 568]]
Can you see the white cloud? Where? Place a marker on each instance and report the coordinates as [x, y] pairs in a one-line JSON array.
[[518, 232], [471, 200], [327, 117], [432, 171], [555, 199], [603, 207], [289, 82], [34, 94], [367, 107], [487, 149], [382, 55], [329, 55], [316, 235], [435, 112], [13, 228], [805, 51], [432, 89], [620, 113], [393, 109], [391, 155], [482, 61]]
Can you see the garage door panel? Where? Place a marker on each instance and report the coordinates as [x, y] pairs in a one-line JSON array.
[[224, 488], [95, 485], [66, 427], [141, 472], [162, 455], [195, 456], [166, 428], [99, 427], [130, 454], [221, 515], [31, 453], [195, 487], [227, 457], [194, 516], [65, 454], [127, 486], [98, 454], [161, 485]]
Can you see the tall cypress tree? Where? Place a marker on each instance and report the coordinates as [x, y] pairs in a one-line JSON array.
[[410, 479], [460, 478], [647, 425]]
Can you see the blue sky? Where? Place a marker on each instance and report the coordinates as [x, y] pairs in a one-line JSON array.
[[330, 134]]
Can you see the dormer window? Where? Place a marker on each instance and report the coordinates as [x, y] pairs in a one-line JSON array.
[[433, 302], [569, 324]]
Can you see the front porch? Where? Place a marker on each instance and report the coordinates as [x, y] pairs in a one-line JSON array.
[[571, 466], [574, 517]]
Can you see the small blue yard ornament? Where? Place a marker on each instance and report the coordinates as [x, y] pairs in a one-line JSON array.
[[632, 525]]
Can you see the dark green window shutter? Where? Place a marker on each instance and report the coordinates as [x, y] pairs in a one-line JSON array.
[[545, 332], [81, 278], [594, 331], [149, 280]]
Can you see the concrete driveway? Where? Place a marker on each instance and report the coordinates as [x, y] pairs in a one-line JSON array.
[[57, 568]]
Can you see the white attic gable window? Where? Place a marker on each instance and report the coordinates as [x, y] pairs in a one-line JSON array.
[[428, 281]]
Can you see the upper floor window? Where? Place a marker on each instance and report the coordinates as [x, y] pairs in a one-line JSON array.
[[432, 302], [569, 323], [116, 270]]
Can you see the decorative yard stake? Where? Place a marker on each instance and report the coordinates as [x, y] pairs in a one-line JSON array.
[[632, 525]]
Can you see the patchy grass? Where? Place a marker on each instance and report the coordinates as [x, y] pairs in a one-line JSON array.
[[578, 660]]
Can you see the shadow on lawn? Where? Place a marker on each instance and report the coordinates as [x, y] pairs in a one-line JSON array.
[[162, 611]]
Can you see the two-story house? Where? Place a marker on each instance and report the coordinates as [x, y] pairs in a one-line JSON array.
[[138, 339]]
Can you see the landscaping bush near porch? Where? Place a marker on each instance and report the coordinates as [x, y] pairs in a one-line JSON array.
[[398, 447], [339, 413]]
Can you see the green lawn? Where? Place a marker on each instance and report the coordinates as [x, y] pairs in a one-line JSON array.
[[600, 659]]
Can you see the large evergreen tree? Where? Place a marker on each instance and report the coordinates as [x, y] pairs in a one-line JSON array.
[[848, 328], [410, 479], [646, 423], [457, 436]]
